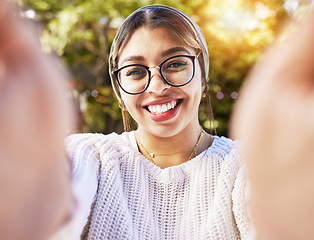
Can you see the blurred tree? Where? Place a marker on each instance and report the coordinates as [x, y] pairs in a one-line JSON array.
[[81, 33]]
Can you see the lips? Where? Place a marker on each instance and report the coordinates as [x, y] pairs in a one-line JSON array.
[[163, 110]]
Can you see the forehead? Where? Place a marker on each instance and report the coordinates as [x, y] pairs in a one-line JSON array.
[[152, 44]]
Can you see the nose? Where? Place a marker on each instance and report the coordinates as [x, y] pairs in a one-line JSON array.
[[157, 84]]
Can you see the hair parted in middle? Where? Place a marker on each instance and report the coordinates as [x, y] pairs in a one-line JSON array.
[[156, 16]]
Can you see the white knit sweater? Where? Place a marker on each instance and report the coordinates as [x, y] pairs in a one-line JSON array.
[[122, 195]]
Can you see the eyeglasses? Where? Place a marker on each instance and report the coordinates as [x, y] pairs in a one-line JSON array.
[[176, 71]]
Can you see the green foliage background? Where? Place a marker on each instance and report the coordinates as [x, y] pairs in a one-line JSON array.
[[81, 32]]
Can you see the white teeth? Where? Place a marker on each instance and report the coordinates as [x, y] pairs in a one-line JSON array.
[[159, 109], [169, 106]]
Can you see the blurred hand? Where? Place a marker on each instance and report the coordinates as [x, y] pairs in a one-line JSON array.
[[274, 118], [35, 195]]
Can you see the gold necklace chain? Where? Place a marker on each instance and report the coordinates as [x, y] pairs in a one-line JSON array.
[[152, 155]]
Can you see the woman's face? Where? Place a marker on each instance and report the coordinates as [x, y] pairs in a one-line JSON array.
[[161, 110]]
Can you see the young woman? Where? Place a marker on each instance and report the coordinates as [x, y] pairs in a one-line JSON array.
[[168, 179]]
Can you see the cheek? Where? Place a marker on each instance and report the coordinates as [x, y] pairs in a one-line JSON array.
[[198, 76], [125, 99], [199, 83], [198, 89], [130, 102], [193, 92]]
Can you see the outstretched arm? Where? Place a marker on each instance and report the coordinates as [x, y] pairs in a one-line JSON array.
[[274, 118], [35, 194]]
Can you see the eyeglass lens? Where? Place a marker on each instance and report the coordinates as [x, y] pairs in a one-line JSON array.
[[176, 71]]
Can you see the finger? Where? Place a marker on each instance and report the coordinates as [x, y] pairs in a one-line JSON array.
[[5, 17], [8, 25], [18, 37]]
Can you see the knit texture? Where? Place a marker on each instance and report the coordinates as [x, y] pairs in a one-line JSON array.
[[122, 195]]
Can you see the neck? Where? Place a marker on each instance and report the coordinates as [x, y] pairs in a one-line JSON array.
[[172, 150]]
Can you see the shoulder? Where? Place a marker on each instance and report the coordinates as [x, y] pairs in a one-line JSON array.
[[226, 148], [98, 140], [225, 159], [87, 138], [100, 146]]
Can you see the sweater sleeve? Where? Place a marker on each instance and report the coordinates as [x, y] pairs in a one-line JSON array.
[[85, 173], [239, 199]]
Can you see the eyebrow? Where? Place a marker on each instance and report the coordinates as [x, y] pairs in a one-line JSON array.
[[139, 58], [136, 58], [174, 50]]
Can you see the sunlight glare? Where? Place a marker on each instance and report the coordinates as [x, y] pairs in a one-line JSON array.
[[232, 18]]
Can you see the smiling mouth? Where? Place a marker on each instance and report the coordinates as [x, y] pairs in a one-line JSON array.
[[158, 109]]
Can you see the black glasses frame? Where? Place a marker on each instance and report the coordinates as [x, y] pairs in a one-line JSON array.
[[116, 72]]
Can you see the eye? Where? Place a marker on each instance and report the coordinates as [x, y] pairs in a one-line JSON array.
[[135, 71], [176, 65]]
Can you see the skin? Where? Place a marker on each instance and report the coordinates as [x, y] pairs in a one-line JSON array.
[[180, 133]]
